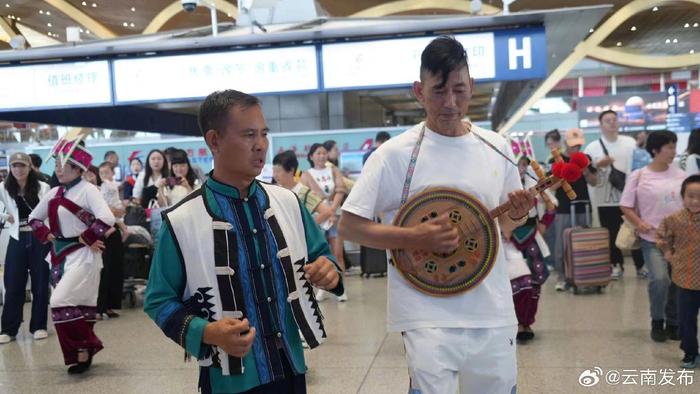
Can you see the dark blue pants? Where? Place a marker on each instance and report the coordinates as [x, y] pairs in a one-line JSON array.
[[25, 257], [688, 305]]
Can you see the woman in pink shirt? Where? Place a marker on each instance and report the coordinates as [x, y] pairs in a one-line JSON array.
[[652, 193]]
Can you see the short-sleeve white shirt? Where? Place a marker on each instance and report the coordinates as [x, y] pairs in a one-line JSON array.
[[464, 163]]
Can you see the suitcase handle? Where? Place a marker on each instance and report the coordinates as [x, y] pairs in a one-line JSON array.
[[587, 205]]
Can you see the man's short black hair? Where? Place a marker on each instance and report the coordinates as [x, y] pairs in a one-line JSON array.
[[657, 139], [607, 111], [382, 137], [36, 160], [554, 135], [109, 153], [691, 179], [213, 113], [442, 56], [287, 160]]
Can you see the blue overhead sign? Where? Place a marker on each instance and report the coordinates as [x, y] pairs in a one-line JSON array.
[[520, 54]]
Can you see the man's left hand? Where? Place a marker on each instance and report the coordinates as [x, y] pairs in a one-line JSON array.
[[521, 202], [322, 274]]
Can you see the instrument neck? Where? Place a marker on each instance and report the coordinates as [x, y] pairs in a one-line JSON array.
[[533, 191]]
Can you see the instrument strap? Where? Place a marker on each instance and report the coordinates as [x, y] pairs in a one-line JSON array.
[[414, 158], [412, 166]]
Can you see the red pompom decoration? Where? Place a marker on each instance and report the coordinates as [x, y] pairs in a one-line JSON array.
[[557, 169], [579, 159], [571, 172]]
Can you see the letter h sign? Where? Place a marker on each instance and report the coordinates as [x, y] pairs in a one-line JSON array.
[[524, 52]]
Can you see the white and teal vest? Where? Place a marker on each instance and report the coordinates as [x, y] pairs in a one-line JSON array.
[[206, 248]]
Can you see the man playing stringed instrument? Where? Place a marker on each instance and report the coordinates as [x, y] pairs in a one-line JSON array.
[[464, 339]]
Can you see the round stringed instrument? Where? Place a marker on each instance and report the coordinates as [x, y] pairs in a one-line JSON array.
[[464, 268]]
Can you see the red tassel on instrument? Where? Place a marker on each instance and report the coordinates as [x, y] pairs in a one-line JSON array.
[[579, 159], [571, 172]]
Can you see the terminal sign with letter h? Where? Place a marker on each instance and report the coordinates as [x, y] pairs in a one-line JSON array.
[[524, 52]]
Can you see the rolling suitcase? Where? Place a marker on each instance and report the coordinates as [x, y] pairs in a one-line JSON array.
[[373, 261], [586, 254]]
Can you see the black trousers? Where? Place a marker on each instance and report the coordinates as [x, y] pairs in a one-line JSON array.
[[112, 276], [688, 305], [611, 218]]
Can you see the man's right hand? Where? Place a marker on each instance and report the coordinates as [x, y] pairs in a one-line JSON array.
[[438, 235], [604, 162], [233, 336]]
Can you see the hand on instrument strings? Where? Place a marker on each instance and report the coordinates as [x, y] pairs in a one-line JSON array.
[[50, 237], [97, 246], [438, 235], [521, 202], [322, 274], [233, 336]]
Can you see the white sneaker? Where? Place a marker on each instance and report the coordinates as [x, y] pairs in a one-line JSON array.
[[321, 295], [343, 297], [560, 286], [4, 338], [616, 273], [40, 334]]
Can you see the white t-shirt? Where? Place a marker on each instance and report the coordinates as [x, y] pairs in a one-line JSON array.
[[138, 185], [603, 194], [324, 179], [110, 192], [691, 165], [464, 163]]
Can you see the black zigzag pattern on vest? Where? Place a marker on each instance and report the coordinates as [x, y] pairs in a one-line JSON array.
[[294, 273], [226, 255]]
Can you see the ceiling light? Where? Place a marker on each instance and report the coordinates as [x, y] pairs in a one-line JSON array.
[[692, 51], [619, 43], [49, 24], [48, 12], [84, 3], [125, 24], [82, 31], [87, 31], [7, 5], [19, 19], [633, 28], [668, 41], [675, 41], [94, 5], [686, 25], [590, 30], [655, 9], [695, 24], [42, 11], [132, 24], [133, 9]]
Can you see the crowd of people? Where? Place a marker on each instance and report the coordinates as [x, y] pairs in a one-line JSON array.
[[236, 260], [636, 185]]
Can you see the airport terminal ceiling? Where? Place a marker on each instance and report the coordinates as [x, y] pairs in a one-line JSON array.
[[671, 29]]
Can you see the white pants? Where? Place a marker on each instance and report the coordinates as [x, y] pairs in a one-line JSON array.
[[78, 286], [477, 360]]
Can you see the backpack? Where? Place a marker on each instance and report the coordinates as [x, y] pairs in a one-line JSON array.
[[135, 216]]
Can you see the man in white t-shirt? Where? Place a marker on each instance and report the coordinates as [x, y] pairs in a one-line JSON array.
[[604, 196], [464, 340]]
